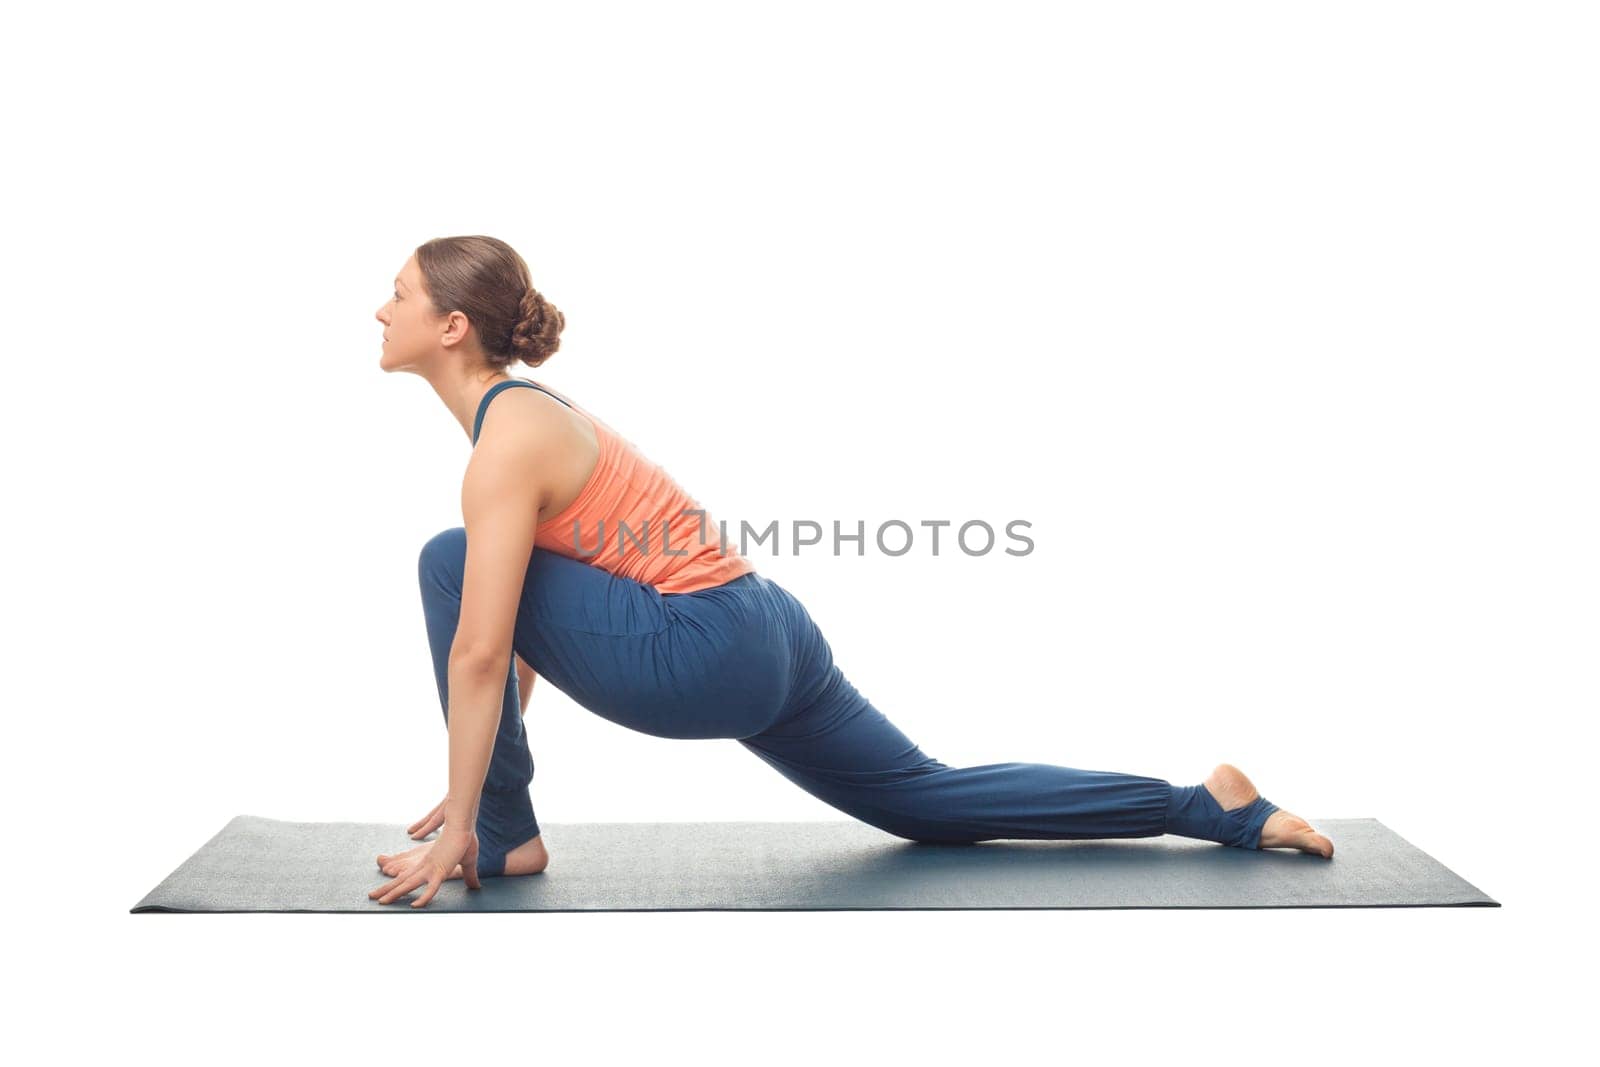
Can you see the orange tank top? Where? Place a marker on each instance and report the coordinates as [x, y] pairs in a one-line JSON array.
[[632, 519]]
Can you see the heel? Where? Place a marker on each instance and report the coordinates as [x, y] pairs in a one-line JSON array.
[[1194, 812]]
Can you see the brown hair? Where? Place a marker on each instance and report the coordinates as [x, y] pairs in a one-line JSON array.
[[485, 280]]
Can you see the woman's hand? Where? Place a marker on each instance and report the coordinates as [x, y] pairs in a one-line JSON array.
[[433, 866], [428, 823]]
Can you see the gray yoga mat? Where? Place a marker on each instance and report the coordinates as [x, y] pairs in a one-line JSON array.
[[257, 864]]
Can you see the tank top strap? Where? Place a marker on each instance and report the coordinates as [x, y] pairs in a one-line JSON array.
[[494, 390]]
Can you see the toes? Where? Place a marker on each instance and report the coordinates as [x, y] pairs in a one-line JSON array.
[[1307, 839]]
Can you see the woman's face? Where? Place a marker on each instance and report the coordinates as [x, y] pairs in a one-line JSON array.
[[411, 330]]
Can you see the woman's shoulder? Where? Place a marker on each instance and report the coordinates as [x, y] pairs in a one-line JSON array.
[[522, 410], [525, 426]]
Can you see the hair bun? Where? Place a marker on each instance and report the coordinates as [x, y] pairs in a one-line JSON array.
[[537, 334]]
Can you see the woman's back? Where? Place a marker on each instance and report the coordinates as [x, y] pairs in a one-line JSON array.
[[627, 516]]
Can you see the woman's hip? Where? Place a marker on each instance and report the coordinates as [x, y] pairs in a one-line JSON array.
[[716, 662]]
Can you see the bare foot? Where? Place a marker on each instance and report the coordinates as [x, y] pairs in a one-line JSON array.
[[530, 857], [1282, 829]]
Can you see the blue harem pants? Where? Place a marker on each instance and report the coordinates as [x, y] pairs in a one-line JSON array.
[[744, 660]]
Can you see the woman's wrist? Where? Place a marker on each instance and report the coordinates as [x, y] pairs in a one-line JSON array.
[[459, 817]]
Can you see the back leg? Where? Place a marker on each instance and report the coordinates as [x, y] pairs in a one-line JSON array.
[[843, 751]]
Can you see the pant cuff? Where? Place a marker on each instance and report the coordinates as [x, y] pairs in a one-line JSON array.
[[1193, 812], [505, 820]]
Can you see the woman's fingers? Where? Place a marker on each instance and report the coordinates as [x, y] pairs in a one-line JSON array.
[[433, 820], [433, 887], [390, 863], [406, 879], [384, 889], [414, 827], [436, 878], [402, 885]]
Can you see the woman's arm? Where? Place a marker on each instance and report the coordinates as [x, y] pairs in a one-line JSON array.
[[525, 677], [500, 500]]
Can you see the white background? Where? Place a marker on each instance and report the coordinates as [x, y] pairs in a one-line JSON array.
[[1277, 322]]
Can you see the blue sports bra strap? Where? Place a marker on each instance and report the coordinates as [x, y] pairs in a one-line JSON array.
[[483, 405], [541, 389]]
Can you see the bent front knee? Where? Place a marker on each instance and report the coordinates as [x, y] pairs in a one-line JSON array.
[[443, 553]]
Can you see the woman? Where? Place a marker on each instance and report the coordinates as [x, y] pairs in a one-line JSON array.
[[583, 561]]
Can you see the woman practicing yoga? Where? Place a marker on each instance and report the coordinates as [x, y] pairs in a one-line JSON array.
[[581, 560]]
